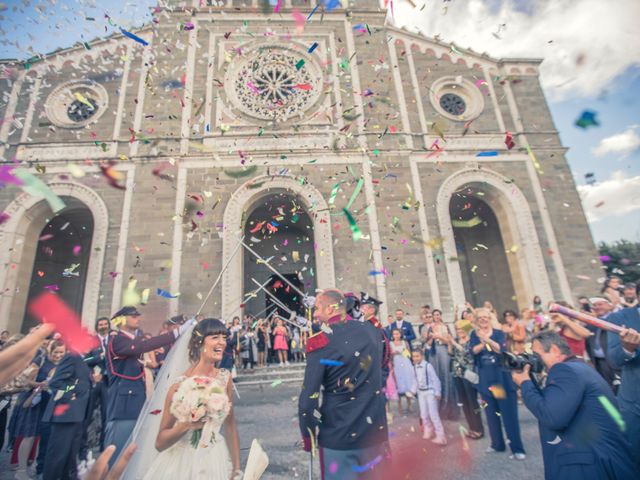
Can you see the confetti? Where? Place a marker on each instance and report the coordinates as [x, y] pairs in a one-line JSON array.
[[275, 383], [508, 141], [613, 412], [60, 409], [331, 363], [492, 153], [241, 173], [313, 46], [133, 36], [472, 222], [355, 231], [36, 187], [154, 412], [49, 308], [300, 64], [587, 119], [367, 466], [165, 294]]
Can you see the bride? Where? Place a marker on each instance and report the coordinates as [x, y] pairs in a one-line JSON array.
[[189, 449]]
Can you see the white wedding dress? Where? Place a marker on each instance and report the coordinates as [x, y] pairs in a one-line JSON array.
[[181, 460]]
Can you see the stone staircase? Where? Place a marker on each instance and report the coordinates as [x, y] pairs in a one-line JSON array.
[[292, 373]]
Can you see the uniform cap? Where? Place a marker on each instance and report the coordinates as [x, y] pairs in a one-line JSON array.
[[366, 299], [127, 312]]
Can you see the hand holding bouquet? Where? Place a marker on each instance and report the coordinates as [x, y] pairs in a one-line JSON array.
[[201, 400]]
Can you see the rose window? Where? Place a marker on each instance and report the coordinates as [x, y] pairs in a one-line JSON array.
[[80, 111], [274, 84], [76, 103]]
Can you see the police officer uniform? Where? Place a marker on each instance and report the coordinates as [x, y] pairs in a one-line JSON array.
[[125, 369], [351, 424], [66, 412]]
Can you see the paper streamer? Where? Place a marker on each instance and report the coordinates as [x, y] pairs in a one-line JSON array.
[[36, 187], [355, 192], [133, 36], [355, 231], [49, 308], [466, 223], [165, 294]]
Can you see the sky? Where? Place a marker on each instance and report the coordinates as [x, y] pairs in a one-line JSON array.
[[591, 52]]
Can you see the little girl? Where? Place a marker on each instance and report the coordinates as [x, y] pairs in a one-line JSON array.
[[280, 342]]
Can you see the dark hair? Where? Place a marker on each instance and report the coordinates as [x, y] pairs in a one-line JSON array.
[[436, 310], [204, 329], [101, 319], [509, 312], [630, 285], [547, 338]]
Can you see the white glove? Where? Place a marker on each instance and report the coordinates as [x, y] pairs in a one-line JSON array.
[[184, 327]]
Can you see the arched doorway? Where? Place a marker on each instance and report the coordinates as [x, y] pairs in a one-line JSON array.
[[250, 196], [481, 252], [508, 215], [19, 237], [278, 229], [62, 258]]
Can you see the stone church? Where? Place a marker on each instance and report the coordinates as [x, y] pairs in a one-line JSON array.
[[228, 140]]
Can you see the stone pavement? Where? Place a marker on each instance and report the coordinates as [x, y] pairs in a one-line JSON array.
[[270, 415]]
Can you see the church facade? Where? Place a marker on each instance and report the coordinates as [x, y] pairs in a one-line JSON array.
[[226, 140]]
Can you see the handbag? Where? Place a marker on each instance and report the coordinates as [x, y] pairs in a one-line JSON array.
[[471, 376]]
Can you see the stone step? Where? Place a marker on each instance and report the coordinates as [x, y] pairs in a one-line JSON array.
[[257, 382], [270, 374]]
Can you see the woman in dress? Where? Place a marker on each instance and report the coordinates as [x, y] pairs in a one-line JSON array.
[[178, 458], [573, 332], [402, 369], [495, 385], [30, 407], [441, 361], [280, 336], [515, 330], [263, 340], [463, 374]]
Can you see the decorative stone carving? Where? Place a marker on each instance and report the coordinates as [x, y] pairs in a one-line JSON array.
[[273, 83]]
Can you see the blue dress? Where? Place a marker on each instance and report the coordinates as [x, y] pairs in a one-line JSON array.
[[27, 419]]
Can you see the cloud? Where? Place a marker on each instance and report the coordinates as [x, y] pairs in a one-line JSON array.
[[614, 197], [585, 43], [625, 142]]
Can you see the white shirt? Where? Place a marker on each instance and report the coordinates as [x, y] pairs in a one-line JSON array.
[[426, 378]]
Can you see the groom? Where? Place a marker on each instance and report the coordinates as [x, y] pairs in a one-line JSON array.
[[351, 423], [125, 370]]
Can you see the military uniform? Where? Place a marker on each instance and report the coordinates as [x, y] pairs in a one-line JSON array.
[[126, 392], [352, 423]]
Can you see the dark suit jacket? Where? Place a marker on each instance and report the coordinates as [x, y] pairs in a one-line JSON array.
[[629, 392], [126, 394], [353, 403], [580, 438], [408, 334], [70, 391]]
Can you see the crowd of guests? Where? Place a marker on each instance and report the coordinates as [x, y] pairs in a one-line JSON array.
[[25, 426], [448, 366], [258, 342], [468, 371]]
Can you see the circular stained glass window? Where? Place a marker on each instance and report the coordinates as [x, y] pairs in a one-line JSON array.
[[453, 104], [80, 111], [274, 83]]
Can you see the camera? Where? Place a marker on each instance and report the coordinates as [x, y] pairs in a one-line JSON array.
[[517, 361]]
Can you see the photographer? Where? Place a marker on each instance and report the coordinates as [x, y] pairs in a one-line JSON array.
[[577, 412]]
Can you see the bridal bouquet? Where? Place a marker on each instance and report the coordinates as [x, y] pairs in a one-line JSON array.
[[199, 399]]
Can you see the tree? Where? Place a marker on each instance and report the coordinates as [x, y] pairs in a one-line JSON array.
[[621, 258]]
